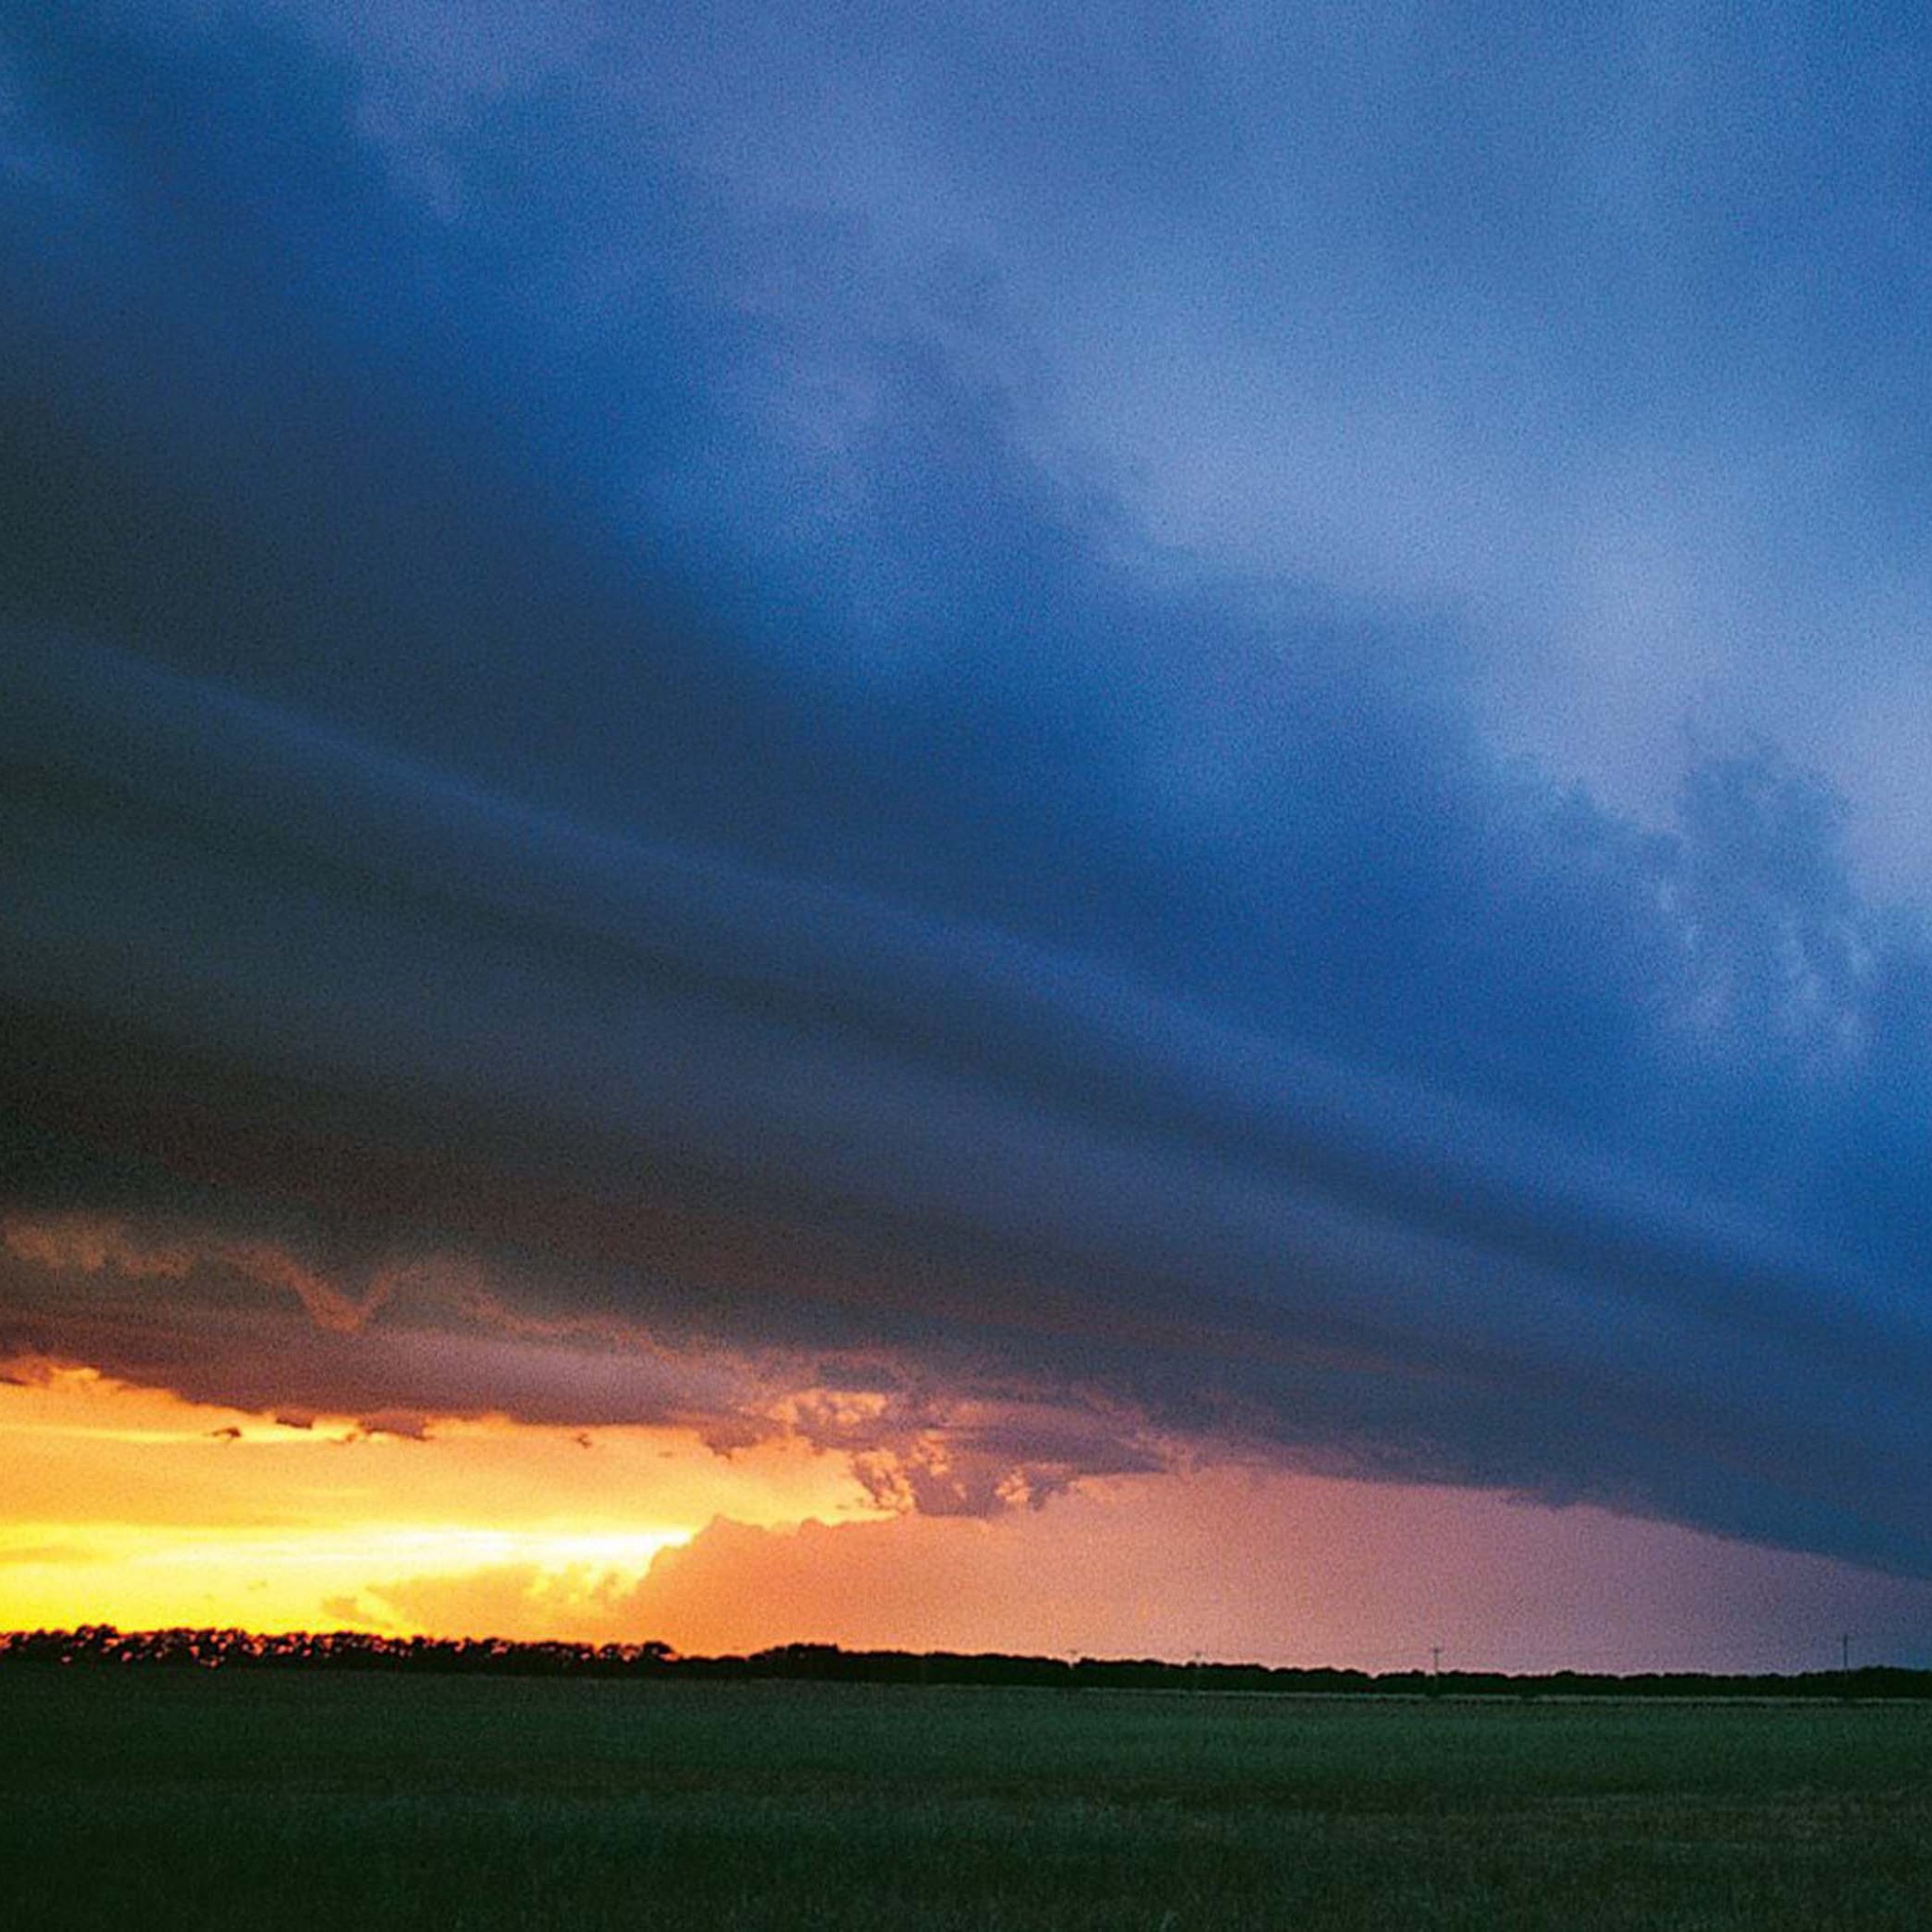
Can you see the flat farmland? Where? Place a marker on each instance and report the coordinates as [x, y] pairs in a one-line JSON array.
[[152, 1797]]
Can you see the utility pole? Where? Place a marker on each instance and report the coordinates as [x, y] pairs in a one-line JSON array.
[[1844, 1651], [1435, 1660]]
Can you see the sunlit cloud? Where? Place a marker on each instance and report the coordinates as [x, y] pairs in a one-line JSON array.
[[131, 1505]]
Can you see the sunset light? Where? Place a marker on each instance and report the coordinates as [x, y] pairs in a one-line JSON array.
[[132, 1506]]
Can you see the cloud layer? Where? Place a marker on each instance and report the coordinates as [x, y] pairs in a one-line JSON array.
[[595, 710]]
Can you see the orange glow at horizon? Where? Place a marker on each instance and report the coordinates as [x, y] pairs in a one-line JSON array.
[[130, 1505]]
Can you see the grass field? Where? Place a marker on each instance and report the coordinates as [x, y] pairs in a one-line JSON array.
[[215, 1800]]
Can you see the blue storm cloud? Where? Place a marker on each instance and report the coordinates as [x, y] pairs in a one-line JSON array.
[[579, 634]]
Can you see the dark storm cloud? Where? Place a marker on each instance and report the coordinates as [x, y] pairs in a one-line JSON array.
[[559, 717]]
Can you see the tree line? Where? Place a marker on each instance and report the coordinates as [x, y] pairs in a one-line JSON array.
[[103, 1644]]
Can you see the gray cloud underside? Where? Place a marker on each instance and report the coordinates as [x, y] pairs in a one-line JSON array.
[[1371, 1269], [684, 786]]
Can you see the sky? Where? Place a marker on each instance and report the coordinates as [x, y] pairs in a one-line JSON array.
[[1067, 828]]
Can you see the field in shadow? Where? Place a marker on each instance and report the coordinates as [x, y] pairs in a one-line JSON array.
[[223, 1799]]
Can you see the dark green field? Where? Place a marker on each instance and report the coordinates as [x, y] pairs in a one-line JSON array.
[[219, 1799]]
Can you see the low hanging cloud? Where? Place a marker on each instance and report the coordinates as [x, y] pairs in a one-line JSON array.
[[247, 1325], [663, 809]]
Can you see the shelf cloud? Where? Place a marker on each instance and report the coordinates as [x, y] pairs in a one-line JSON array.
[[634, 789]]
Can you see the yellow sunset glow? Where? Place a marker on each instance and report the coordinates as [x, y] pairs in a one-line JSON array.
[[130, 1505]]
